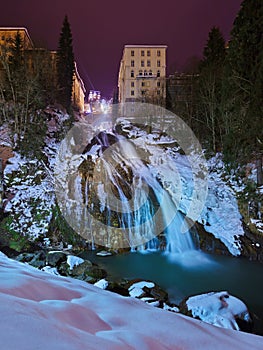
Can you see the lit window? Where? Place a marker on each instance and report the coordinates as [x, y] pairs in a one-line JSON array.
[[158, 53], [132, 74], [142, 63], [132, 52], [148, 53], [142, 53], [132, 63], [148, 63], [158, 63]]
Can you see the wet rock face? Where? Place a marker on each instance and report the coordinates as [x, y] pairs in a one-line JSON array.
[[208, 243], [252, 246]]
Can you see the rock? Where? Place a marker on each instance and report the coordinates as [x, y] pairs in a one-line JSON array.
[[81, 269], [37, 259], [218, 308], [55, 258], [104, 253], [146, 289], [25, 257], [118, 287], [97, 272]]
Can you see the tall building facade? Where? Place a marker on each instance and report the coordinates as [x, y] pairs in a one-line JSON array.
[[142, 74], [7, 38]]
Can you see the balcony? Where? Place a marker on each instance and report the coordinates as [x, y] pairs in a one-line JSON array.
[[147, 76]]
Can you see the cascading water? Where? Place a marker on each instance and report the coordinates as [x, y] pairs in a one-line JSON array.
[[133, 199]]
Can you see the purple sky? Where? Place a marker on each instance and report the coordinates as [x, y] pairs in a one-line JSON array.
[[101, 28]]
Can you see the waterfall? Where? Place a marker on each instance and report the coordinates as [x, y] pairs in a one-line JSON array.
[[140, 203]]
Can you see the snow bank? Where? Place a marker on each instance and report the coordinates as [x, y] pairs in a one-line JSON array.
[[42, 311]]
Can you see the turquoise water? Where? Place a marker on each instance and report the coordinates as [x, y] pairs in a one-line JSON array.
[[191, 273]]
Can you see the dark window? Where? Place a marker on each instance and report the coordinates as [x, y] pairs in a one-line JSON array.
[[148, 63], [132, 52], [132, 63], [142, 63], [145, 72], [158, 63], [158, 73], [148, 53], [132, 92], [142, 53], [158, 53], [132, 83], [132, 74]]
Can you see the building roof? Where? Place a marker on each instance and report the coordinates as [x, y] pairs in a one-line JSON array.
[[150, 46], [2, 29]]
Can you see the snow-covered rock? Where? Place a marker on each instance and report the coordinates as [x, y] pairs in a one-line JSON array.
[[73, 260], [103, 284], [219, 309]]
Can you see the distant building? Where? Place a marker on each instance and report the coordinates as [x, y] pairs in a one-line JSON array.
[[181, 94], [7, 37], [181, 86], [78, 90], [142, 74], [8, 34]]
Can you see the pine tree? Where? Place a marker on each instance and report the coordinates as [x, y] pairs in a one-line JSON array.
[[244, 83], [65, 65], [210, 85]]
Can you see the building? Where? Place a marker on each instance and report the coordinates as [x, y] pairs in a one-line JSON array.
[[142, 74], [181, 94], [7, 37], [78, 91]]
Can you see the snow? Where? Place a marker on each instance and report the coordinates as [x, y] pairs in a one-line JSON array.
[[103, 284], [73, 260], [42, 311], [218, 309], [136, 289]]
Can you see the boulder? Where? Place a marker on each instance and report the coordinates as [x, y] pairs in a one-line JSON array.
[[55, 258]]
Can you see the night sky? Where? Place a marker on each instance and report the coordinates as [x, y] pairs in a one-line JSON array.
[[101, 28]]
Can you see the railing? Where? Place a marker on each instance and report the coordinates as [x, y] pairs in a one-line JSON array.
[[141, 76]]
